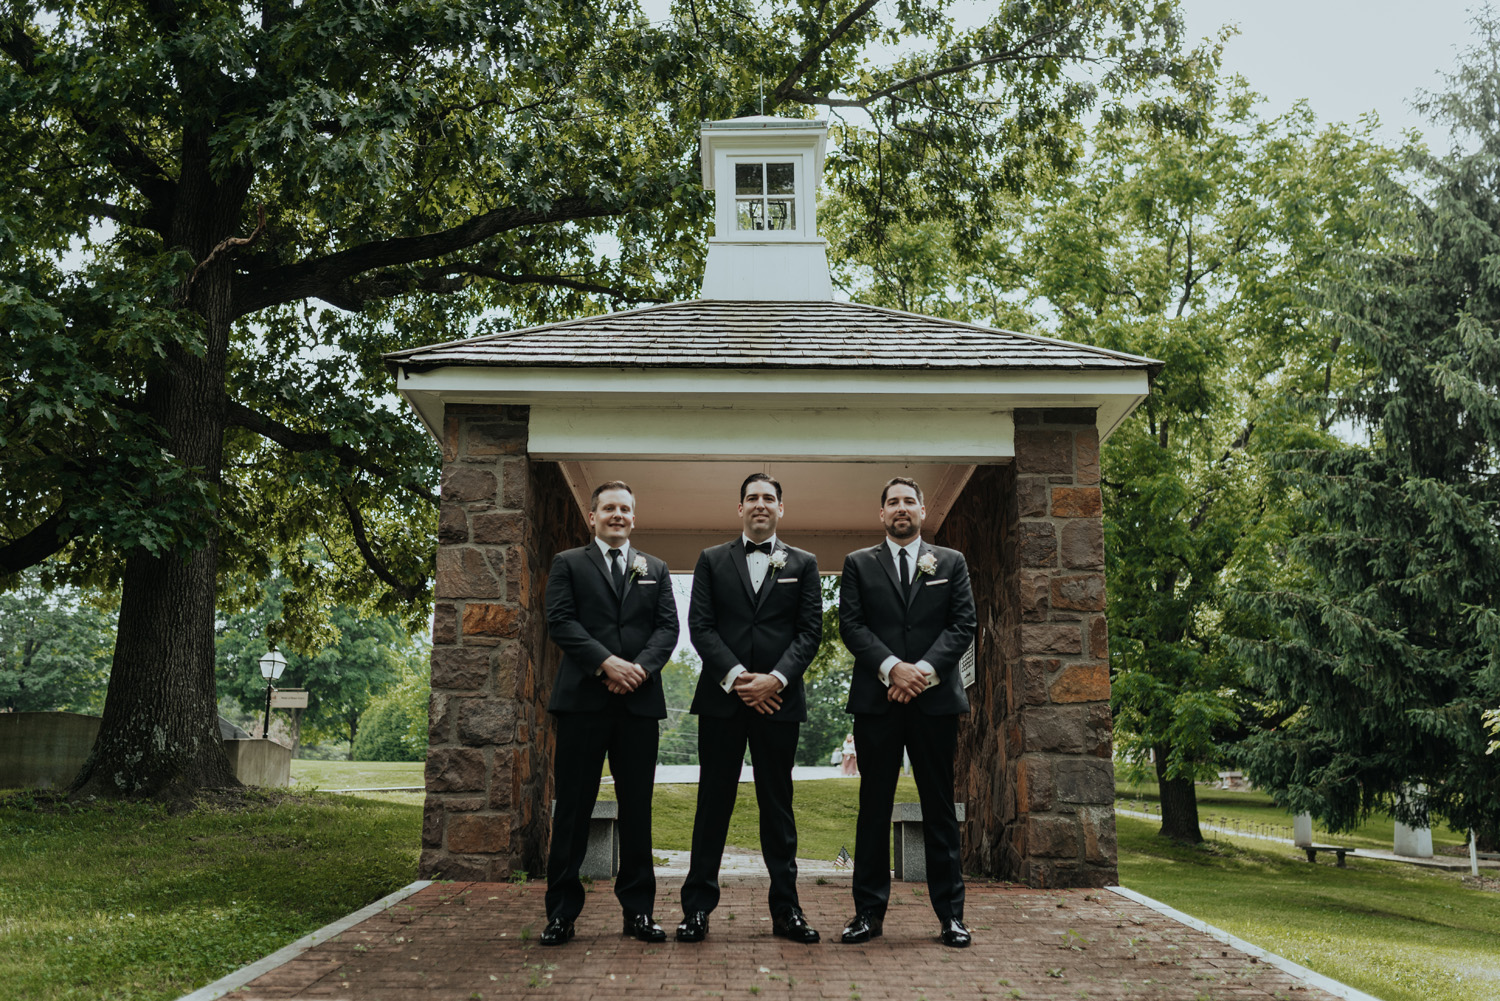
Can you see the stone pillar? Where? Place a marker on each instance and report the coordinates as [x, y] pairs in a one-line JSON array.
[[488, 775], [1034, 756]]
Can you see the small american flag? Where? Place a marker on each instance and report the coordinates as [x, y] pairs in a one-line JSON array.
[[843, 860]]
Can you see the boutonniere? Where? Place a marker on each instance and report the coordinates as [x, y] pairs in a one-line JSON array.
[[926, 563], [638, 567], [778, 559]]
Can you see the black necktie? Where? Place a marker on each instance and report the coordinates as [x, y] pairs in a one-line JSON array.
[[905, 573], [617, 571], [757, 547]]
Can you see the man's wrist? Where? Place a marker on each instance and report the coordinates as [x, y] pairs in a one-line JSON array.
[[727, 682], [781, 678], [885, 669]]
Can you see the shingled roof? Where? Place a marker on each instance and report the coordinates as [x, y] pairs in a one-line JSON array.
[[708, 333]]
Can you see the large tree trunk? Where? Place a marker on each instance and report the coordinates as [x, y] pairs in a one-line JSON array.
[[160, 734], [1179, 803]]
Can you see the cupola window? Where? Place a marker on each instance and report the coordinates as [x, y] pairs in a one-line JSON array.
[[765, 195]]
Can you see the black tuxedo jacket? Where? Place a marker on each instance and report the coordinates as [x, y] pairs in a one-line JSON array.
[[778, 629], [936, 624], [589, 622]]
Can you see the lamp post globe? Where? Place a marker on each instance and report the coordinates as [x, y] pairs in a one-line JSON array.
[[271, 666]]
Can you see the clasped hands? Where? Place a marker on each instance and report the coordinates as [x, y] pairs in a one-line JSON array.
[[761, 692], [907, 682], [622, 677]]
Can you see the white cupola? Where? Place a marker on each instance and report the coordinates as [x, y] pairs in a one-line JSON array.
[[764, 174]]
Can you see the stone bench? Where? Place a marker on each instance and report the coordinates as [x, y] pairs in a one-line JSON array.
[[906, 828], [1339, 850], [602, 860]]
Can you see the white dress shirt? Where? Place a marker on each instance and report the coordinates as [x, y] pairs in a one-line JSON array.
[[913, 550], [604, 548], [759, 565]]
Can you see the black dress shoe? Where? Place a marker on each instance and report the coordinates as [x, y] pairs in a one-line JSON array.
[[558, 931], [861, 928], [793, 925], [693, 927], [955, 934], [642, 928]]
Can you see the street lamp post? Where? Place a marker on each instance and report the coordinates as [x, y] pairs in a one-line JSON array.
[[271, 666]]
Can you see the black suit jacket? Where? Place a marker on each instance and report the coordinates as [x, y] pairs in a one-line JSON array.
[[589, 623], [778, 629], [936, 625]]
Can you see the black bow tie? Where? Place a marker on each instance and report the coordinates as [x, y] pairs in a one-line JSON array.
[[757, 547]]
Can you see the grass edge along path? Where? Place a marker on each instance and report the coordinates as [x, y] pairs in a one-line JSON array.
[[1397, 932]]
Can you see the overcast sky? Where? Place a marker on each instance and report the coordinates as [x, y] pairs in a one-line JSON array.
[[1345, 57]]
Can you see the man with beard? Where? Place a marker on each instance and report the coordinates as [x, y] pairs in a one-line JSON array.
[[756, 619], [611, 611], [906, 613]]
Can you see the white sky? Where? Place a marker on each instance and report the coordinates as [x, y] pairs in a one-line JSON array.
[[1345, 57]]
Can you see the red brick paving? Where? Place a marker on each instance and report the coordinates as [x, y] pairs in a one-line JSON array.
[[477, 941]]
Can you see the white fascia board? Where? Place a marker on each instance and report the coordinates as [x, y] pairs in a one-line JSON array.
[[568, 433], [1114, 393]]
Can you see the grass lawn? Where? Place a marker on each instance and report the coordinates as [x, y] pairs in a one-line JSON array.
[[356, 774], [1395, 931], [126, 901], [1218, 806]]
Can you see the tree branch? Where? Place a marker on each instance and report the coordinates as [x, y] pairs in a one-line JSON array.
[[239, 415], [35, 546], [330, 278], [406, 592], [809, 57]]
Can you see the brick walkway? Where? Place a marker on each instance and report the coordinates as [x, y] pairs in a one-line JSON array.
[[478, 941]]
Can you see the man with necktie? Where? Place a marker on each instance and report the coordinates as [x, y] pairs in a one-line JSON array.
[[611, 611], [756, 620], [906, 613]]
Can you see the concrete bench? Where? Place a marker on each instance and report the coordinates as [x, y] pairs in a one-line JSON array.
[[906, 829], [1338, 850], [602, 860]]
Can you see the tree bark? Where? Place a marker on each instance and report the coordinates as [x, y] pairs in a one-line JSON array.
[[160, 735], [1179, 803]]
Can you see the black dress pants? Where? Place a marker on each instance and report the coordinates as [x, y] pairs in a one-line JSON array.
[[721, 750], [583, 741], [932, 742]]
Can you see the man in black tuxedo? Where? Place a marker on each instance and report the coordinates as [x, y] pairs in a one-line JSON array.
[[756, 620], [906, 613], [611, 611]]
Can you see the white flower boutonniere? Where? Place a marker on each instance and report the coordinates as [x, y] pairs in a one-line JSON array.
[[778, 559], [638, 567], [926, 563]]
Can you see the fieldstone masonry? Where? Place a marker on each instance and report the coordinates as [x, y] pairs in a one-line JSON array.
[[488, 778], [1034, 754]]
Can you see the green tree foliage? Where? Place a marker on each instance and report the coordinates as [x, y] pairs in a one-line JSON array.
[[221, 212], [1388, 649], [356, 658], [679, 731], [54, 648], [394, 726]]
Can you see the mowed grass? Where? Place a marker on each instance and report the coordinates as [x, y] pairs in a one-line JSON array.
[[1255, 812], [130, 901], [1395, 931], [356, 774]]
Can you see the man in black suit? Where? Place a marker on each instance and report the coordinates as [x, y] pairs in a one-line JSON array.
[[756, 620], [906, 613], [611, 611]]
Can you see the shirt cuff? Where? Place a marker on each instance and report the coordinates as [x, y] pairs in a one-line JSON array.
[[727, 682], [885, 669], [781, 678], [930, 672]]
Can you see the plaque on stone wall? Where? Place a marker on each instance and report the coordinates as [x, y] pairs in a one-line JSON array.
[[966, 666]]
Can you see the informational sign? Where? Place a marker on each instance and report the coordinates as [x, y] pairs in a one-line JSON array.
[[966, 666], [289, 698]]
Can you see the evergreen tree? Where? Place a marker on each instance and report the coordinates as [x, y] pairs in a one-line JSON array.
[[1385, 644]]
